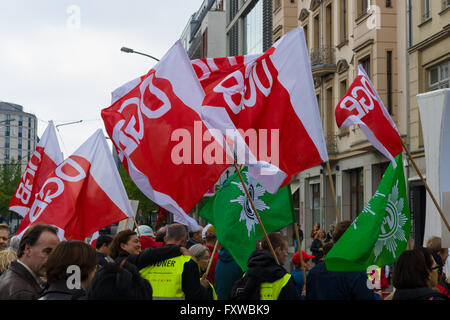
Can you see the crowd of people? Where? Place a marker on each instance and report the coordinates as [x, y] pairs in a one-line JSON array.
[[174, 264]]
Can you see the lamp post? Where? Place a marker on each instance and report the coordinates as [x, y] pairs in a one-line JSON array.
[[128, 50]]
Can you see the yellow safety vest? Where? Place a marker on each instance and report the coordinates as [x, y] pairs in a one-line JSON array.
[[165, 278], [271, 290]]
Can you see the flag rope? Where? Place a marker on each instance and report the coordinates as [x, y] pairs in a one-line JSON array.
[[256, 213], [426, 185]]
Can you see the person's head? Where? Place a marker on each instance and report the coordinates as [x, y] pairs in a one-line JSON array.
[[4, 236], [331, 227], [145, 230], [124, 243], [321, 234], [210, 235], [14, 243], [306, 259], [435, 244], [35, 246], [72, 254], [279, 243], [341, 227], [176, 234], [197, 235], [102, 244], [6, 256], [316, 226], [122, 281], [201, 255], [326, 248], [161, 234], [415, 269]]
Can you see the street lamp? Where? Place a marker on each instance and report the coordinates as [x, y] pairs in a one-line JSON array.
[[128, 50]]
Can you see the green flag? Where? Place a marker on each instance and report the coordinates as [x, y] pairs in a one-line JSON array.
[[381, 231], [236, 225]]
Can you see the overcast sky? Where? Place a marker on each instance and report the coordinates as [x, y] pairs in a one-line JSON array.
[[61, 59]]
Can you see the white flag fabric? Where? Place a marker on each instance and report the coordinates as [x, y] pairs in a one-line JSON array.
[[83, 194], [45, 158]]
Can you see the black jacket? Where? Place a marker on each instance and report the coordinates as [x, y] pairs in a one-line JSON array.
[[418, 294], [262, 267], [150, 256], [59, 291], [17, 283]]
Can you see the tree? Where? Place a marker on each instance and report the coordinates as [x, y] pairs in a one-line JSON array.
[[133, 192], [10, 175]]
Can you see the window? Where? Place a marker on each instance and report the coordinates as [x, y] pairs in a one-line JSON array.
[[20, 132], [365, 63], [254, 29], [20, 120], [29, 122], [8, 119], [388, 4], [363, 7], [426, 10], [7, 142], [19, 155], [389, 80], [438, 77], [6, 156], [19, 143], [356, 192], [343, 21], [315, 203], [446, 4], [7, 131]]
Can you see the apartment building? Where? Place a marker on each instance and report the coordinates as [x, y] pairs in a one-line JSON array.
[[428, 70], [18, 135], [341, 35]]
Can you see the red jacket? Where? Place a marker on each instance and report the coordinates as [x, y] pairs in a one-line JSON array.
[[149, 242], [213, 264]]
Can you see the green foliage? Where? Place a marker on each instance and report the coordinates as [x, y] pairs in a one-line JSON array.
[[10, 175], [133, 192]]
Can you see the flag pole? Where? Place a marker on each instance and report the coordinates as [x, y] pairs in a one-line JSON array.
[[205, 275], [256, 213], [137, 229], [426, 185], [333, 192], [302, 263]]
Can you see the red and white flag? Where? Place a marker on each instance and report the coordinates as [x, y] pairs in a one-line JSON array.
[[363, 106], [155, 125], [83, 194], [45, 159], [270, 98]]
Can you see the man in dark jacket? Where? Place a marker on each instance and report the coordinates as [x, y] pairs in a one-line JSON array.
[[22, 279], [265, 279], [322, 284]]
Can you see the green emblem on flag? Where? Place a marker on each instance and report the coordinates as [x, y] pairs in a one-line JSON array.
[[381, 232], [231, 214]]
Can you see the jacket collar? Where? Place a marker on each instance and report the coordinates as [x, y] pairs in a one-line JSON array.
[[25, 272]]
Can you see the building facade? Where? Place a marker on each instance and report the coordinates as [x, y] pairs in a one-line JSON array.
[[18, 134], [204, 36], [428, 70], [341, 35]]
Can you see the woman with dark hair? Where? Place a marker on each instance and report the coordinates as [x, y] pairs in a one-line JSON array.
[[70, 268], [415, 275]]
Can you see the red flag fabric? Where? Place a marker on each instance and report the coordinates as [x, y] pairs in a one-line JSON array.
[[157, 131], [45, 159], [362, 106], [267, 107], [83, 194]]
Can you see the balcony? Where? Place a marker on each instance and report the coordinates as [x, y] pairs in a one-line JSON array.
[[323, 61]]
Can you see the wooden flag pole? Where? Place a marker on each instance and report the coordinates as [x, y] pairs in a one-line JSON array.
[[256, 213], [205, 275], [137, 229], [302, 263], [426, 185], [333, 192]]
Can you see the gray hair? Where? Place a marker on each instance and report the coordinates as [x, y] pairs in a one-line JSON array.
[[176, 232], [198, 250]]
